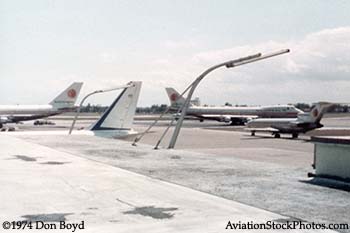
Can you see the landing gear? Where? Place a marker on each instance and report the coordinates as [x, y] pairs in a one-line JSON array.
[[237, 121], [1, 125], [277, 135], [252, 133], [294, 135]]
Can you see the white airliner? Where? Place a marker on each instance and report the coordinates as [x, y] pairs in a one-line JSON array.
[[115, 122], [234, 115], [303, 123], [64, 102]]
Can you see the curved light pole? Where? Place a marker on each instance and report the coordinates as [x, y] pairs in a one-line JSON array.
[[228, 64], [90, 94]]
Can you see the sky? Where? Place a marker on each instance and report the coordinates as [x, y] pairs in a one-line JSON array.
[[47, 44]]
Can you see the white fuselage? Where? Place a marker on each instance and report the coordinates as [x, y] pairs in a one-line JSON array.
[[264, 111], [266, 123], [27, 109]]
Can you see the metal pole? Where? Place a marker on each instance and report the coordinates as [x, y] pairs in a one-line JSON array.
[[137, 139], [228, 64], [90, 94], [78, 109]]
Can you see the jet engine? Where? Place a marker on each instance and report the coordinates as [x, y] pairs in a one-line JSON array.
[[225, 119]]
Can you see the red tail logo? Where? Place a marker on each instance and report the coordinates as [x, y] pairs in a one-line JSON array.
[[173, 97], [72, 93]]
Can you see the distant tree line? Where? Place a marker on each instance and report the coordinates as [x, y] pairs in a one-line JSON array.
[[154, 109], [93, 108]]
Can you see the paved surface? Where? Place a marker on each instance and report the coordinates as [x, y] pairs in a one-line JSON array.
[[259, 171], [42, 184], [279, 185]]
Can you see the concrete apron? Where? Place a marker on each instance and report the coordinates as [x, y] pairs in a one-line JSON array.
[[42, 184]]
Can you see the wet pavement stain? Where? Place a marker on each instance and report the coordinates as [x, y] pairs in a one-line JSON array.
[[54, 163], [25, 158], [56, 217], [153, 212]]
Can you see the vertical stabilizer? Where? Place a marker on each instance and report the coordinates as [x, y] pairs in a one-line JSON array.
[[316, 113], [174, 97], [120, 115], [68, 97]]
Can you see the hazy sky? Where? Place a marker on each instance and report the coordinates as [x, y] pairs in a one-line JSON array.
[[45, 45]]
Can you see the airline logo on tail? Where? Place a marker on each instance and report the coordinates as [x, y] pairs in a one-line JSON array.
[[68, 97], [316, 113], [175, 99], [72, 93]]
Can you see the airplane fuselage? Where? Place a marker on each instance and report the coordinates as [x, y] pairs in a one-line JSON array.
[[26, 109], [17, 113], [265, 123], [264, 112], [282, 125]]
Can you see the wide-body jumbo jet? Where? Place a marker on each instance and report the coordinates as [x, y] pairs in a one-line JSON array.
[[233, 115], [115, 122], [64, 102], [303, 123]]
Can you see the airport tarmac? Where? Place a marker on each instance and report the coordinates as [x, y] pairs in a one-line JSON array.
[[226, 162], [48, 185]]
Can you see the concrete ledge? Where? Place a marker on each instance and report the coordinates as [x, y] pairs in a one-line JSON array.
[[332, 139], [332, 157]]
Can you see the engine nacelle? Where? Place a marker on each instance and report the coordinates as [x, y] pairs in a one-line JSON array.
[[225, 119], [4, 119], [177, 116]]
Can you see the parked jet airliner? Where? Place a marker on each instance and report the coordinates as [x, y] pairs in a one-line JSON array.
[[301, 124], [64, 102], [234, 115], [115, 122]]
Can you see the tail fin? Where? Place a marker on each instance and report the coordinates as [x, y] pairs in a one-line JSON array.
[[68, 97], [317, 111], [120, 115], [175, 99]]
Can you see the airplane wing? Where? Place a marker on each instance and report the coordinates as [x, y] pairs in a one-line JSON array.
[[232, 116], [267, 129], [18, 118], [227, 118]]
